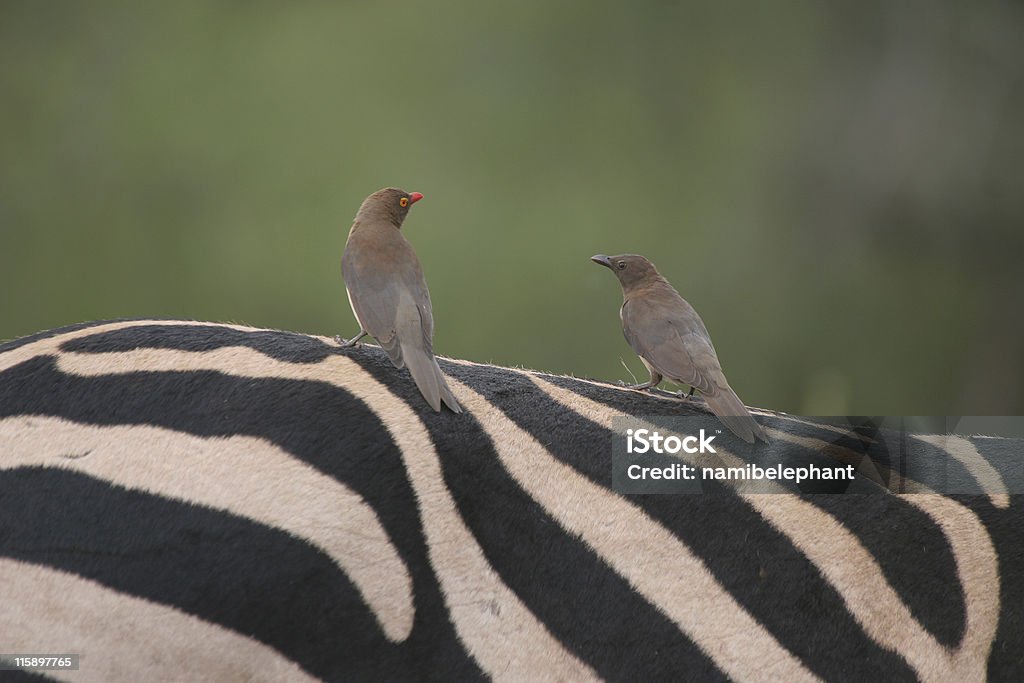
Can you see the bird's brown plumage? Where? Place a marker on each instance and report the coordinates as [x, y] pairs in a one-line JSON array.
[[388, 293], [670, 338]]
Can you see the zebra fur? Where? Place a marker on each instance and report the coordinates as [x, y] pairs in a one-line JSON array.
[[196, 501]]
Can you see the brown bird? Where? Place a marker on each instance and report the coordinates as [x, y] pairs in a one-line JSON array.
[[671, 340], [388, 293]]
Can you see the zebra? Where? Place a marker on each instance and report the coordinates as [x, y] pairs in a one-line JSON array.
[[184, 500]]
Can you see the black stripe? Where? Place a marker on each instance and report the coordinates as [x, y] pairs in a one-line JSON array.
[[227, 570], [290, 347], [47, 334], [1006, 528], [18, 676]]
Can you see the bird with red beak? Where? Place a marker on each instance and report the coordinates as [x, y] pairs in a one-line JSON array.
[[388, 293]]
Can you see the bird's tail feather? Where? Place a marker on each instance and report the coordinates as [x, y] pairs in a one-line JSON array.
[[428, 377], [734, 415]]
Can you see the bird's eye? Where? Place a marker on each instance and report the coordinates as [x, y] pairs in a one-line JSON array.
[[403, 202], [621, 264]]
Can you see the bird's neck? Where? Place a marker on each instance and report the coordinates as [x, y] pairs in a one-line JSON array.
[[377, 217], [647, 285], [374, 224]]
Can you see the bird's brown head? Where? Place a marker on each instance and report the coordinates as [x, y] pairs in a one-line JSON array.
[[631, 269], [389, 204]]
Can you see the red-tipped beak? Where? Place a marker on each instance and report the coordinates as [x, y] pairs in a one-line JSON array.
[[415, 197]]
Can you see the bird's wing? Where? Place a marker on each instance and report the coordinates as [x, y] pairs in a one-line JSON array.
[[390, 298], [426, 311], [373, 293], [416, 306], [682, 355], [414, 324]]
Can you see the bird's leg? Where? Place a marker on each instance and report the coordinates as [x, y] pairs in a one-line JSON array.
[[354, 341], [690, 396], [654, 381]]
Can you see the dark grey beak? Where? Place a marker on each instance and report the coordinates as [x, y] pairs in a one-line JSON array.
[[601, 259]]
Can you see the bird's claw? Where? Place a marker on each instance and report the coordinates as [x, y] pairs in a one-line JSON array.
[[346, 343]]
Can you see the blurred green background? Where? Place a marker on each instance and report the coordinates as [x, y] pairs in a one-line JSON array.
[[836, 187]]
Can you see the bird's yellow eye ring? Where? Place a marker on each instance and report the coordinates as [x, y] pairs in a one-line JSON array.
[[403, 202]]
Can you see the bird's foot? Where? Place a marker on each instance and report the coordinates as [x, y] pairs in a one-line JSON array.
[[646, 386], [348, 343]]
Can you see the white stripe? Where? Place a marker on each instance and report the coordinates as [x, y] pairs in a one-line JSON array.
[[977, 565], [965, 452], [124, 638]]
